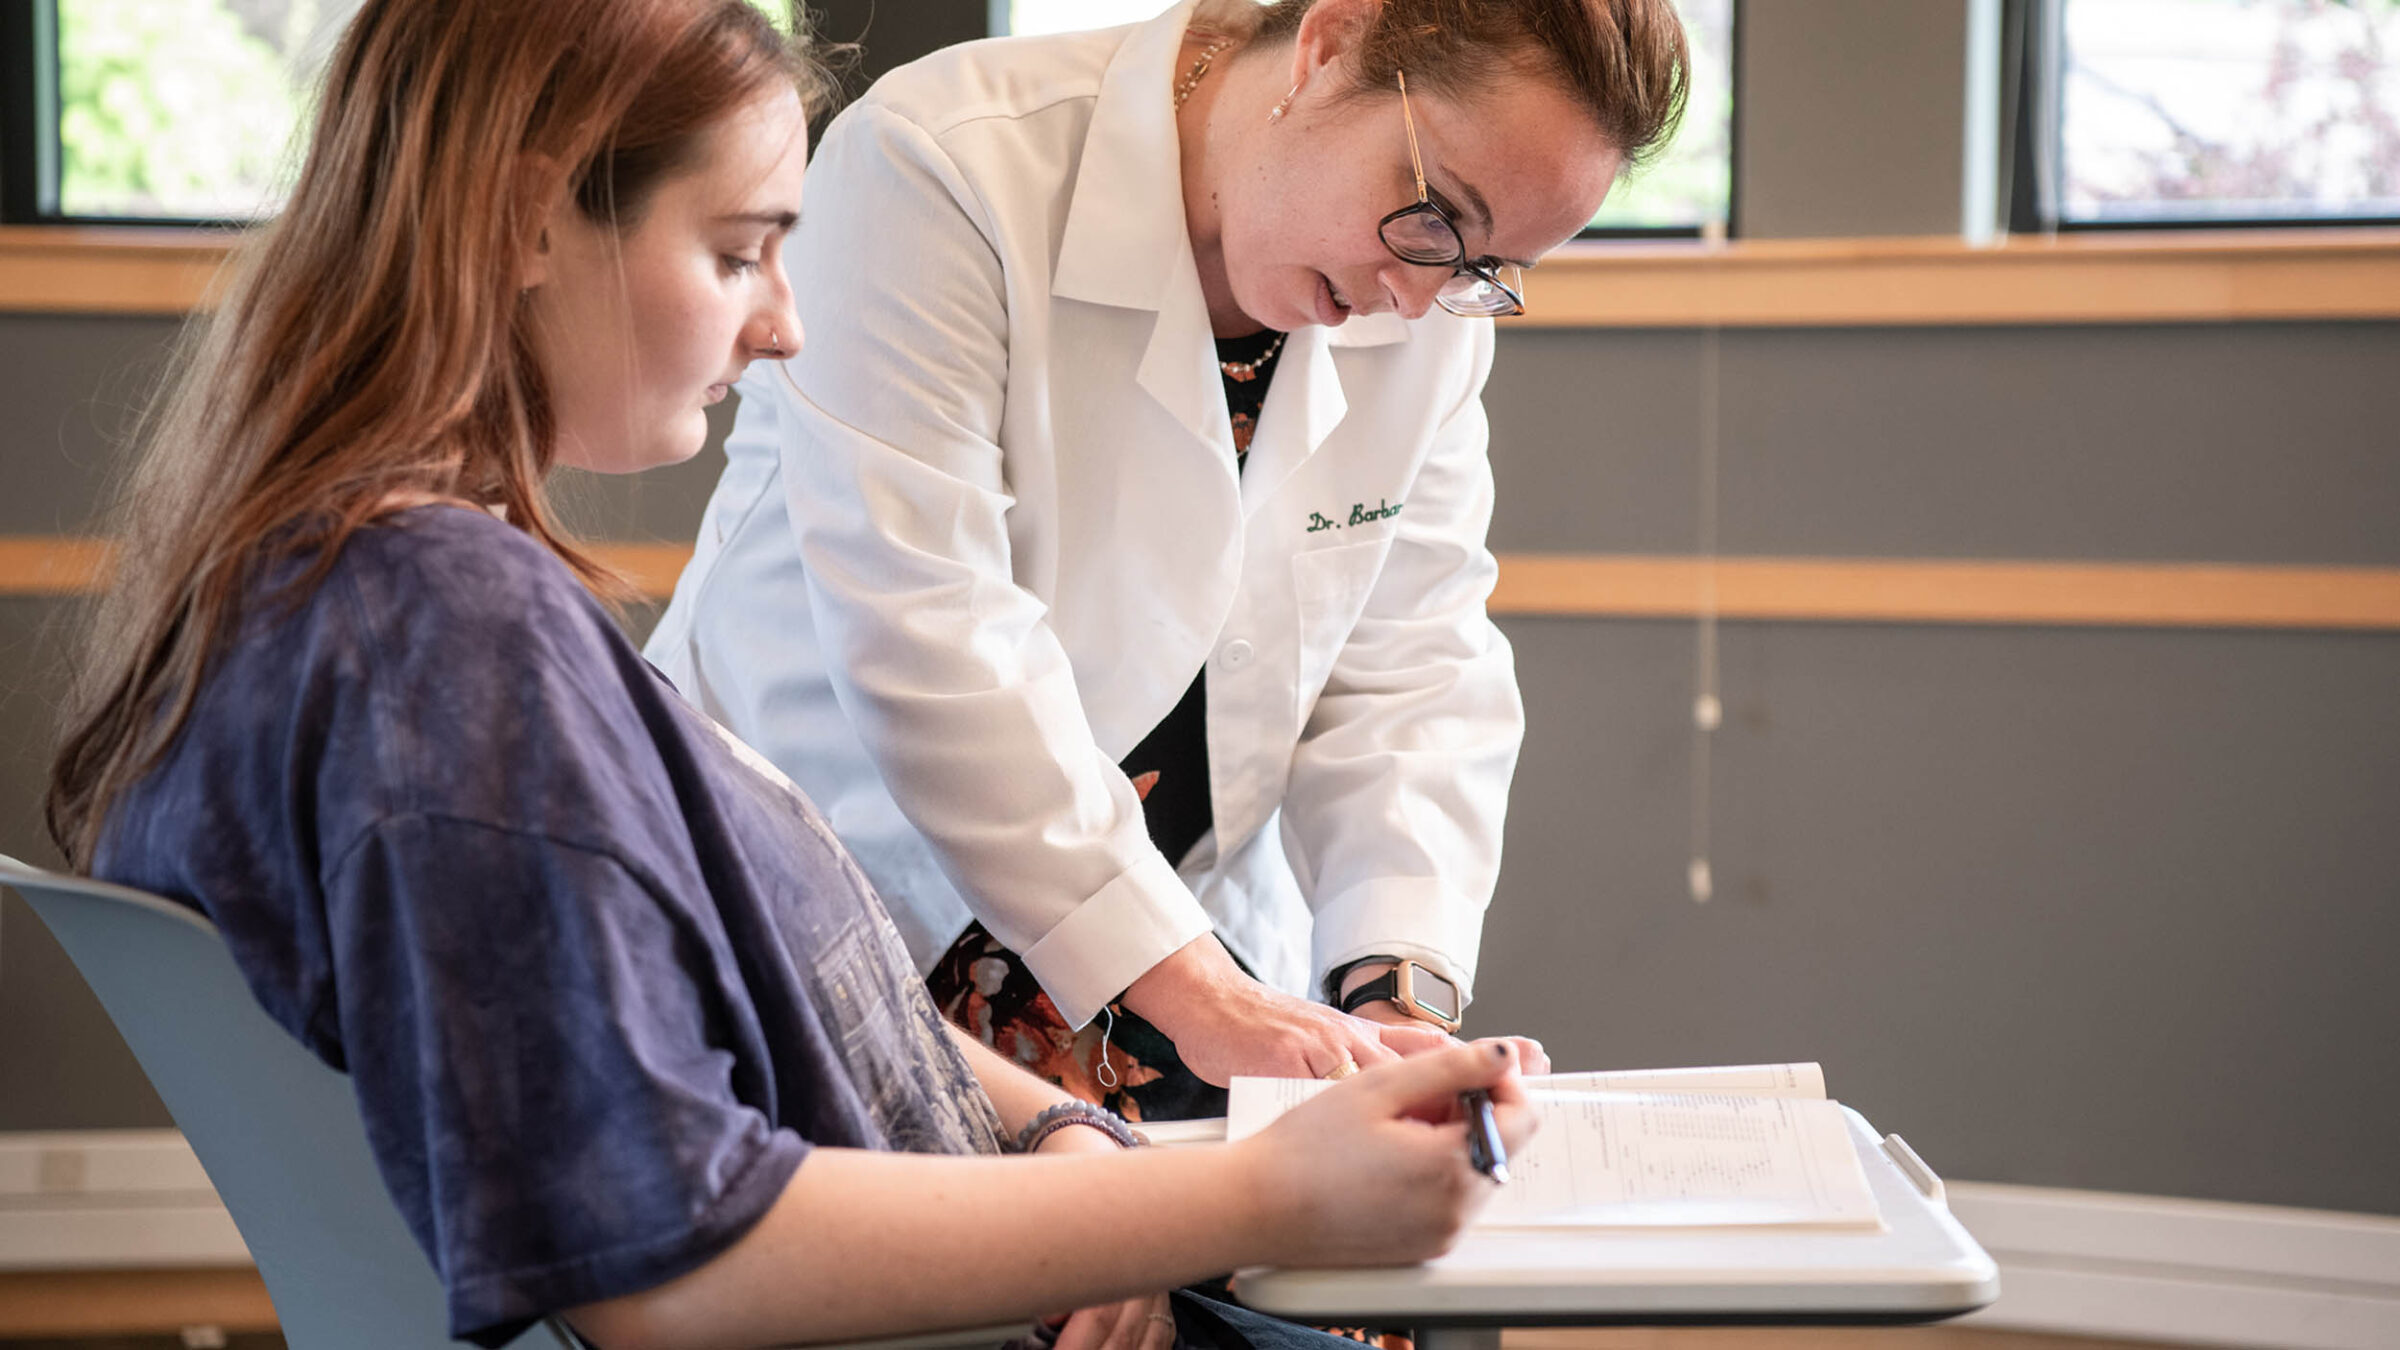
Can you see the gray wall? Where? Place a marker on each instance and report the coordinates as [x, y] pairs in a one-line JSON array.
[[2075, 907], [1851, 117], [2072, 907]]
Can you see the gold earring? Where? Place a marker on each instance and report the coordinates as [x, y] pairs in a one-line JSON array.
[[1277, 115]]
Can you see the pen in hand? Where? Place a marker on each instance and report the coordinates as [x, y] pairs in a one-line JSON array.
[[1485, 1152]]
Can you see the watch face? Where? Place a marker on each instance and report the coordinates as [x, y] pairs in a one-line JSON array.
[[1432, 993]]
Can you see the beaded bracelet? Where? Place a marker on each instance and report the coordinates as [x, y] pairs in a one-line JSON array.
[[1056, 1118]]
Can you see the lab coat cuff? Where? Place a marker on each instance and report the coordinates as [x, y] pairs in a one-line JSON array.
[[1422, 921], [1110, 940]]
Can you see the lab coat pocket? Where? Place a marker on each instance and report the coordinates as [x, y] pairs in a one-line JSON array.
[[1330, 587]]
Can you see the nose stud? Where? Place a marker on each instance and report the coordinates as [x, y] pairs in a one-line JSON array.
[[774, 351]]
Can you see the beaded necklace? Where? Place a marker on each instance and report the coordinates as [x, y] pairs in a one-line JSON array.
[[1191, 78]]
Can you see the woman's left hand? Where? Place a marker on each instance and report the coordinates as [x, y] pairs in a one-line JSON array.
[[1409, 1036], [1145, 1323]]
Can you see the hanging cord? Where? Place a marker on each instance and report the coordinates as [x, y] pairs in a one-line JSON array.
[[1708, 709], [1107, 1073]]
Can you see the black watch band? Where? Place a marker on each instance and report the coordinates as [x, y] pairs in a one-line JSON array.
[[1386, 985], [1335, 976]]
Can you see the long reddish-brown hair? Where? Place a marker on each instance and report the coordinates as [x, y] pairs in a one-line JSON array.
[[372, 344]]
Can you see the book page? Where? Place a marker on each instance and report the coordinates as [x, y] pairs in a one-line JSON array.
[[1176, 1133], [1617, 1159], [1609, 1159], [1266, 1098], [1763, 1080], [1253, 1103]]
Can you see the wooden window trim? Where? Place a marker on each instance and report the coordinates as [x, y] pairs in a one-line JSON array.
[[2099, 277], [108, 269], [2180, 276]]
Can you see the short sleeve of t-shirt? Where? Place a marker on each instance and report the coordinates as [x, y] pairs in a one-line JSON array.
[[570, 1024]]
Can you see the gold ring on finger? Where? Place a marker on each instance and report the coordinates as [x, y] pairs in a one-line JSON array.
[[1343, 1070]]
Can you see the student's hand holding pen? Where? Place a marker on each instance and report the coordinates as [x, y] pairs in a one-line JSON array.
[[1375, 1170]]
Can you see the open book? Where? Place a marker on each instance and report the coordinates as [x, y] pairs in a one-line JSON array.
[[1754, 1144]]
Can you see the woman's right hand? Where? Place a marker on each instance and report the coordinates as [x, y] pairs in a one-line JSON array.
[[1374, 1171], [1225, 1023]]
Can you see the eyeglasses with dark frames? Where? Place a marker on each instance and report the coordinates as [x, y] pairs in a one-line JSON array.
[[1424, 235]]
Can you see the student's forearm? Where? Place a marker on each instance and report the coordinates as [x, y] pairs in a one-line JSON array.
[[1019, 1095], [871, 1244]]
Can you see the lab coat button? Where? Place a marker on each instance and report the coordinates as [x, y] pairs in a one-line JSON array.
[[1236, 654]]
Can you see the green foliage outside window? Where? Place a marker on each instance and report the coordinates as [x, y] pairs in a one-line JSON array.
[[169, 108], [1690, 183], [779, 11], [195, 109]]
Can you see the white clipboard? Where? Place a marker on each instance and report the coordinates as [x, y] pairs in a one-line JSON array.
[[1922, 1266]]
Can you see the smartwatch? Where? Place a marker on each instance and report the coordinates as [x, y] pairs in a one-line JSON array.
[[1419, 992]]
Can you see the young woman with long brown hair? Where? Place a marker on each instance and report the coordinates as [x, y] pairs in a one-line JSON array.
[[633, 1040]]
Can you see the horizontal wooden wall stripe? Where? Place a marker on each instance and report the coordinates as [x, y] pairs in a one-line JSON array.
[[40, 565], [652, 568], [2111, 277], [85, 1304], [1927, 590], [1619, 586]]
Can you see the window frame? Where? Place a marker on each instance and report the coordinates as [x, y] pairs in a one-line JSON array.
[[2035, 39], [29, 112]]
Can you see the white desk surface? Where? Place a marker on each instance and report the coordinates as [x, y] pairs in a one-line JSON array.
[[1922, 1266]]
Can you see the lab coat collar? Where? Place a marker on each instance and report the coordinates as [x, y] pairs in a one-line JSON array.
[[1125, 242], [1303, 407], [1125, 239]]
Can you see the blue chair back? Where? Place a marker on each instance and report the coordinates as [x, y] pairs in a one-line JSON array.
[[277, 1130]]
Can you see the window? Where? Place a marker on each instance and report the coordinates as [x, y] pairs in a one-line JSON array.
[[2212, 112], [164, 110], [185, 109], [1686, 191], [1689, 189]]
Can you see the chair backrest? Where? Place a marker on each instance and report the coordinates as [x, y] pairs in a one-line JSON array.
[[278, 1131]]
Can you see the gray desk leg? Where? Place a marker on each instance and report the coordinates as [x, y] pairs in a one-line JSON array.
[[1459, 1338]]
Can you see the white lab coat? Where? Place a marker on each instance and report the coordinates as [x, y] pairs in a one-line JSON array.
[[978, 538]]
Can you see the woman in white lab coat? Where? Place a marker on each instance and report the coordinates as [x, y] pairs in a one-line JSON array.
[[1167, 719]]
